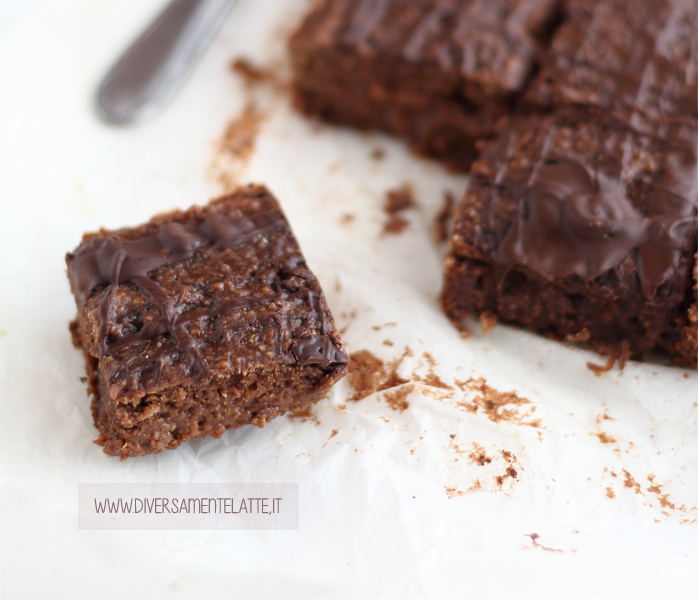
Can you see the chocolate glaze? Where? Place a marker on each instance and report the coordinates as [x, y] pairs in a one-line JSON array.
[[577, 219], [104, 261]]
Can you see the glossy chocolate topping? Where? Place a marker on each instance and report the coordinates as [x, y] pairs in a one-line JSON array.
[[104, 261], [572, 220]]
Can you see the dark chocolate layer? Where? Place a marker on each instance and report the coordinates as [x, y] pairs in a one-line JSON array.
[[216, 302], [437, 73], [573, 226]]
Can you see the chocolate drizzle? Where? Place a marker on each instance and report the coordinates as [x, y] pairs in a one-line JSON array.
[[105, 261], [575, 220]]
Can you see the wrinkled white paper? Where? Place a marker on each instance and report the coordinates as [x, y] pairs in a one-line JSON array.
[[411, 504]]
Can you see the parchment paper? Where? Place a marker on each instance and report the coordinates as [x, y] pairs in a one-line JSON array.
[[410, 503]]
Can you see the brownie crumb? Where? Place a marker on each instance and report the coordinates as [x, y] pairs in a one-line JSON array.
[[251, 74], [365, 372], [236, 146], [631, 483], [479, 456], [442, 221], [397, 398], [397, 201], [496, 405], [431, 379], [599, 370], [487, 321], [369, 374], [604, 438], [378, 154]]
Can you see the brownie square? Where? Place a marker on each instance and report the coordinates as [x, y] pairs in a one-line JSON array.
[[200, 321], [634, 62], [439, 74], [579, 230]]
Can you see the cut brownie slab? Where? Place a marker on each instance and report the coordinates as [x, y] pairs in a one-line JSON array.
[[631, 61], [200, 321], [438, 73], [576, 229]]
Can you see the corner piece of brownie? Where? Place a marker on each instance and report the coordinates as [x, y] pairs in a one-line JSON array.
[[200, 321], [439, 73], [576, 229]]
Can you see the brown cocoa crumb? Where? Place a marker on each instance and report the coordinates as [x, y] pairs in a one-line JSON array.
[[346, 218], [610, 493], [443, 218], [397, 398], [479, 456], [599, 370], [495, 404], [250, 73], [431, 379], [236, 146], [369, 374], [365, 373], [604, 438], [487, 321], [388, 343], [397, 201], [378, 154], [631, 483]]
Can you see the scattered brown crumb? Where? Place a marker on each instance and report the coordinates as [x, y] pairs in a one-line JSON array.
[[378, 154], [334, 432], [396, 201], [236, 146], [346, 218], [582, 336], [369, 374], [397, 398], [388, 343], [365, 373], [621, 356], [452, 492], [250, 73], [443, 218], [487, 321], [610, 493], [631, 483], [599, 369], [253, 75], [604, 438], [479, 456], [304, 413], [656, 489], [495, 404], [431, 379]]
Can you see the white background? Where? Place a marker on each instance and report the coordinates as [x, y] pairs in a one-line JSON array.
[[375, 516]]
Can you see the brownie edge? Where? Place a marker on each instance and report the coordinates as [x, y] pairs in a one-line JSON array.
[[200, 321], [581, 231]]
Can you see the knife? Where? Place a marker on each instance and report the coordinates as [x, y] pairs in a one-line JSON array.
[[155, 66]]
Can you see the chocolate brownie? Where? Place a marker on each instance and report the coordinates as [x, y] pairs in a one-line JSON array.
[[438, 73], [575, 228], [200, 321], [631, 61]]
